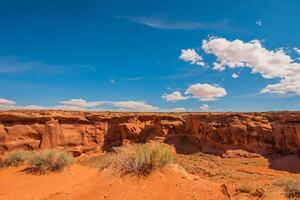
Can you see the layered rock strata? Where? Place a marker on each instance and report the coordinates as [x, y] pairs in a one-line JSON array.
[[81, 132]]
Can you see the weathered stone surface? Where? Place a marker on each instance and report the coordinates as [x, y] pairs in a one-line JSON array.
[[81, 132], [239, 154]]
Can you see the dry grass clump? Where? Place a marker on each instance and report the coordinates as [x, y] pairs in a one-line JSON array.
[[291, 187], [39, 162], [15, 158], [50, 160], [246, 188], [142, 159]]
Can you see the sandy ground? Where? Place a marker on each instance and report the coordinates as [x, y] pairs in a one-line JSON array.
[[80, 182], [202, 179], [15, 184]]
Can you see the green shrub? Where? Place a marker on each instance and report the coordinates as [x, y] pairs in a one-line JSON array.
[[15, 158], [49, 161], [142, 159]]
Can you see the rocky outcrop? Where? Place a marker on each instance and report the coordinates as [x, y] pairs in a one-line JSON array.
[[81, 132]]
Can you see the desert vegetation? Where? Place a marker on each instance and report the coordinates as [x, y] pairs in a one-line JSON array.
[[291, 187], [15, 158], [138, 159], [142, 159], [39, 162], [49, 161], [246, 188]]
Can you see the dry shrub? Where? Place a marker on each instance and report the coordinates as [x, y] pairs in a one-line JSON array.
[[291, 187], [246, 188], [15, 158], [50, 160], [142, 159]]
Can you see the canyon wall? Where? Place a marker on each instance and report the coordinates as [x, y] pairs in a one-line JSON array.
[[81, 132]]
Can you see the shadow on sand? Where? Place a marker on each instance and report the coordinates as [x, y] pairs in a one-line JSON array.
[[289, 163]]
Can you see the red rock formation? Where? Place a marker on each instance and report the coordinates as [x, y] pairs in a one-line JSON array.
[[81, 132]]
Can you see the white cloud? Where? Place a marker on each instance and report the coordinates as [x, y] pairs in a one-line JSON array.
[[234, 75], [178, 109], [258, 22], [297, 50], [269, 63], [206, 92], [202, 92], [113, 81], [165, 24], [190, 55], [204, 107], [134, 106], [6, 102], [80, 103], [174, 96]]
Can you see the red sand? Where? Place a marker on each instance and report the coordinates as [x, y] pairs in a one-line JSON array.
[[80, 183]]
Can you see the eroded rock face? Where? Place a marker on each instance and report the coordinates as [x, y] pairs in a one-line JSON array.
[[81, 132]]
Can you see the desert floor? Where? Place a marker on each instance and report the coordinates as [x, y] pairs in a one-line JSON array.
[[195, 176]]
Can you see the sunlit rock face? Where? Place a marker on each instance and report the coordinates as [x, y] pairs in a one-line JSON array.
[[82, 132]]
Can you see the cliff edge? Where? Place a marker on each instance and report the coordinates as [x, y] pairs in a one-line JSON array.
[[81, 132]]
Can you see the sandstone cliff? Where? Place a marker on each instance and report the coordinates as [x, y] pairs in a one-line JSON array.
[[81, 132]]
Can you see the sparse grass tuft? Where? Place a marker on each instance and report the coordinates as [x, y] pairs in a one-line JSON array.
[[49, 161], [246, 188], [15, 158], [291, 187], [39, 162], [142, 159]]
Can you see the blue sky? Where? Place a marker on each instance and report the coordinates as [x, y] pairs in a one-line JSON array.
[[150, 55]]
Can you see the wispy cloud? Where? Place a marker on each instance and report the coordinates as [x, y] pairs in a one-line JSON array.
[[133, 78], [13, 64], [87, 67], [163, 23]]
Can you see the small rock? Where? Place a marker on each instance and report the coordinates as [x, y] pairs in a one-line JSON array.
[[259, 192], [224, 190], [240, 154]]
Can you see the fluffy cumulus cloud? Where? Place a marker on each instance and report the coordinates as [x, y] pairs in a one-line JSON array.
[[6, 103], [80, 103], [174, 96], [206, 92], [134, 106], [191, 56], [234, 75], [204, 107], [269, 63], [202, 92]]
